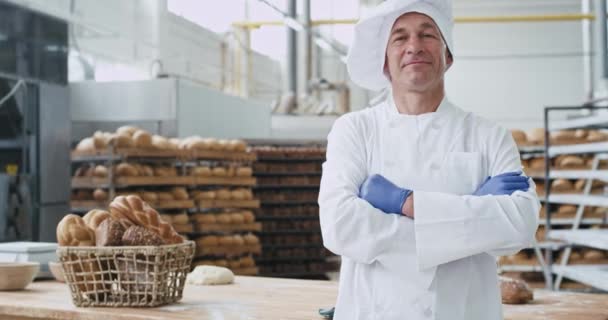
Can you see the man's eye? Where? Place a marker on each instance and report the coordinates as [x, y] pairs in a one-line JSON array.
[[428, 35]]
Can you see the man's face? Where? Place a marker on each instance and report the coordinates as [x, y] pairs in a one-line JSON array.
[[416, 56]]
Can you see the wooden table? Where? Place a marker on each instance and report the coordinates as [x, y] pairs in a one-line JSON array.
[[262, 298]]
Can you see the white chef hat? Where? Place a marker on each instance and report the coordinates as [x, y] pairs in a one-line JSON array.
[[365, 60]]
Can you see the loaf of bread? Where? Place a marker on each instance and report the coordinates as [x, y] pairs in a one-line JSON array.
[[165, 196], [223, 194], [165, 171], [180, 193], [238, 194], [593, 255], [205, 218], [248, 216], [72, 231], [251, 239], [95, 217], [149, 196], [561, 185], [244, 172], [109, 233], [100, 195], [142, 139], [201, 172], [207, 241], [223, 218], [126, 170], [237, 145], [596, 136], [219, 172], [563, 135], [238, 240], [86, 144], [536, 136], [180, 218], [127, 130], [166, 218], [247, 262], [226, 241], [515, 291], [134, 209], [237, 218], [121, 141], [204, 195], [141, 236], [161, 143], [100, 171], [519, 137], [568, 161]]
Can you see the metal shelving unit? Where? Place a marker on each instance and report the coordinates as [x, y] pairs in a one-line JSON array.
[[288, 183], [592, 275]]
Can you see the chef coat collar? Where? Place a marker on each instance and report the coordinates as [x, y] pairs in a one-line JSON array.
[[442, 114]]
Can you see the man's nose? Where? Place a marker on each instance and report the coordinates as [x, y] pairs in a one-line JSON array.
[[413, 46]]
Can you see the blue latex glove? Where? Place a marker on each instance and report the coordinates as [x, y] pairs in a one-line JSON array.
[[383, 194], [503, 184]]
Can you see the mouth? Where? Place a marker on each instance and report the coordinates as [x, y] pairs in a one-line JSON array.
[[415, 62]]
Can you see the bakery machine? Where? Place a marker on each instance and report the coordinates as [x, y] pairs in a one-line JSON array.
[[34, 124]]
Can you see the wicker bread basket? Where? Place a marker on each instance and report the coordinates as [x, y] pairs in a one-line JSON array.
[[143, 276]]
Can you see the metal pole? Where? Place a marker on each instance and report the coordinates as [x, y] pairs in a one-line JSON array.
[[307, 45], [587, 28], [601, 15], [292, 56]]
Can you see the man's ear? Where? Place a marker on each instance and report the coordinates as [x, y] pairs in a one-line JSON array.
[[387, 73], [448, 59]]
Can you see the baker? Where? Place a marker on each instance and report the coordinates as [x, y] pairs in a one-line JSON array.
[[417, 196]]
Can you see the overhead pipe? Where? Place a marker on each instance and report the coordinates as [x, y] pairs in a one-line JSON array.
[[481, 19]]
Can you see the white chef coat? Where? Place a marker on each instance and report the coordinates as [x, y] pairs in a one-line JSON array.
[[442, 264]]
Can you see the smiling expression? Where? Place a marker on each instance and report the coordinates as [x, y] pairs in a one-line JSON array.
[[416, 55]]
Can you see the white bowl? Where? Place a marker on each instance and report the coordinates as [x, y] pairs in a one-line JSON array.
[[57, 271], [17, 275]]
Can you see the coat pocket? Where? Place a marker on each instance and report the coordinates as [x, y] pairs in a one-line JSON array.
[[463, 172]]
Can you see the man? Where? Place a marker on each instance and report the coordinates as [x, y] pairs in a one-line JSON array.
[[418, 196]]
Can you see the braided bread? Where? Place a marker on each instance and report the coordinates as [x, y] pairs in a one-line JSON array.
[[134, 209], [72, 231], [95, 217]]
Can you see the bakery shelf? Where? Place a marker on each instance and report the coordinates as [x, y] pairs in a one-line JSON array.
[[287, 186], [202, 251], [92, 204], [221, 155], [588, 200], [288, 259], [600, 120], [286, 218], [291, 246], [228, 204], [293, 173], [592, 147], [125, 153], [287, 202], [289, 159], [225, 181], [121, 182], [90, 182], [570, 174], [592, 275], [183, 228], [520, 268], [595, 238], [205, 227], [287, 232], [531, 148], [560, 221]]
